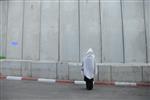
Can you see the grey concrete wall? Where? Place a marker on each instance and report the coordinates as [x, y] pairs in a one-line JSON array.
[[11, 68], [3, 27], [146, 73], [72, 71], [75, 71], [104, 72], [31, 31], [90, 36], [147, 25], [43, 70], [49, 30], [134, 31], [62, 71], [69, 32], [26, 68], [62, 31], [126, 73], [14, 30], [111, 26]]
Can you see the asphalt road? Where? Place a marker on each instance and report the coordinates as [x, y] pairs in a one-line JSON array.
[[32, 90]]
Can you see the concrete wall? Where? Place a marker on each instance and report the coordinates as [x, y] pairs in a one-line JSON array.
[[3, 27], [49, 30], [31, 30], [69, 32], [134, 31], [14, 30], [62, 31], [147, 24], [111, 26], [72, 71], [90, 35]]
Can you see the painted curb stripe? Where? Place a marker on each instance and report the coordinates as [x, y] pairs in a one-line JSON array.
[[64, 81], [79, 82], [143, 84], [13, 78], [124, 84], [29, 78], [47, 80], [2, 77], [104, 83]]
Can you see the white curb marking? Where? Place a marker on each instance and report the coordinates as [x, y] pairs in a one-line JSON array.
[[125, 84], [47, 80], [13, 78], [79, 82]]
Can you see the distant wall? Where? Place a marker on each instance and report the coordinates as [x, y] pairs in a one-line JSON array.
[[58, 30]]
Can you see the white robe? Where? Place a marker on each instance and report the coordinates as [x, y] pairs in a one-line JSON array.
[[89, 68]]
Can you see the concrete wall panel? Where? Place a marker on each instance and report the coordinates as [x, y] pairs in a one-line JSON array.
[[1, 12], [11, 68], [62, 71], [14, 30], [147, 20], [1, 63], [104, 72], [49, 30], [26, 69], [111, 24], [90, 28], [3, 27], [146, 73], [134, 32], [1, 31], [44, 70], [69, 32], [75, 71], [31, 30], [127, 73]]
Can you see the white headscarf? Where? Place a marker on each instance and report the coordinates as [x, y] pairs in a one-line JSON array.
[[89, 66]]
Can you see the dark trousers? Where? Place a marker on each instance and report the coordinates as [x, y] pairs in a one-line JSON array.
[[89, 83]]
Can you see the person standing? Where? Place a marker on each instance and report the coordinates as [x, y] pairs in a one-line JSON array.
[[89, 68]]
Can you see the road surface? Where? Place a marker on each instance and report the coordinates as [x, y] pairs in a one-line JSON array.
[[32, 90]]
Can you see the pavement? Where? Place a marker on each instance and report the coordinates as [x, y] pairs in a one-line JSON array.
[[33, 90]]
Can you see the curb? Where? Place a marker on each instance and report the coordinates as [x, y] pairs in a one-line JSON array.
[[108, 83]]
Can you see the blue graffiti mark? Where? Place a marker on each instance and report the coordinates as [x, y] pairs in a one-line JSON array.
[[14, 43]]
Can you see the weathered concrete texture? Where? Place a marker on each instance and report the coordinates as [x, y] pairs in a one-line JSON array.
[[104, 72], [43, 70], [146, 73], [1, 66], [134, 31], [75, 71], [14, 30], [147, 23], [3, 27], [62, 71], [26, 69], [90, 28], [111, 24], [31, 90], [49, 30], [31, 31], [126, 73], [11, 68], [69, 32], [72, 71]]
